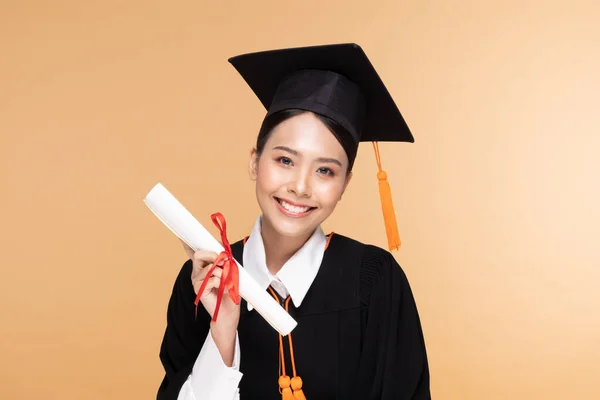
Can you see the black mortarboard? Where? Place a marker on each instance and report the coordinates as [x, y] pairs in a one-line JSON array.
[[339, 82]]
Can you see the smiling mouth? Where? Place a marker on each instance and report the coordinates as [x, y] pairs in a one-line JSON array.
[[293, 210]]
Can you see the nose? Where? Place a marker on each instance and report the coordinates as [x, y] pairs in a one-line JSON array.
[[300, 184]]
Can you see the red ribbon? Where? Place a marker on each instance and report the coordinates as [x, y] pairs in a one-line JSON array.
[[230, 275]]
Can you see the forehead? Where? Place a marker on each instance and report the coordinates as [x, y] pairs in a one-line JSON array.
[[306, 133]]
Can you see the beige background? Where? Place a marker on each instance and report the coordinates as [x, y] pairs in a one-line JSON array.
[[497, 200]]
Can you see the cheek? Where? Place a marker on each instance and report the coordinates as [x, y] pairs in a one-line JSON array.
[[268, 178], [328, 193]]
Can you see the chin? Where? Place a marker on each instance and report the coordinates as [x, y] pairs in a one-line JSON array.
[[289, 227], [293, 229]]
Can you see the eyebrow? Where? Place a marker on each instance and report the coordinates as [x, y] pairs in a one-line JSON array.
[[297, 153]]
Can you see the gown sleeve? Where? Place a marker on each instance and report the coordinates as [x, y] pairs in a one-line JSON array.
[[394, 362], [211, 379], [194, 369]]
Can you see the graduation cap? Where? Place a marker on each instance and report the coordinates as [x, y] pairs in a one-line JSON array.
[[339, 82]]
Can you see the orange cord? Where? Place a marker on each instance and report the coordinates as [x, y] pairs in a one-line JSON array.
[[286, 385], [287, 308], [284, 381], [328, 240], [377, 155]]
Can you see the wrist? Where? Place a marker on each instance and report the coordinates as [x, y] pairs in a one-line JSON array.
[[224, 338], [223, 329]]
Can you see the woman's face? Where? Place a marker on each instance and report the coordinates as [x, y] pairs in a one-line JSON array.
[[300, 175]]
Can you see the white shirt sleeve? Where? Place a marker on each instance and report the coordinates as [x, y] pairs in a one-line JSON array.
[[211, 379]]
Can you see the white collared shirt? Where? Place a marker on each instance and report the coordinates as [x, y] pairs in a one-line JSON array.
[[296, 275], [211, 379]]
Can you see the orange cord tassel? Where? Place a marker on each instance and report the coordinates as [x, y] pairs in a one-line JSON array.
[[284, 385], [387, 205], [297, 388], [284, 380]]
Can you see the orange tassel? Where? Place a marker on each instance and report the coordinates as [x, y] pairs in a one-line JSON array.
[[284, 385], [387, 206], [284, 380], [297, 387], [286, 394]]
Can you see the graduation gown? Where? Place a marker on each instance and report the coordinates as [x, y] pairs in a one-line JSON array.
[[358, 336]]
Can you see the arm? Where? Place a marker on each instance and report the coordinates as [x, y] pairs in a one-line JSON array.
[[185, 358], [210, 377], [394, 362]]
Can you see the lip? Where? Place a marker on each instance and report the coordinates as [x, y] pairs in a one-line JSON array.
[[291, 214], [293, 203]]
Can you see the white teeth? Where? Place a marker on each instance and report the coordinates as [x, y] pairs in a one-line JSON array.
[[294, 209]]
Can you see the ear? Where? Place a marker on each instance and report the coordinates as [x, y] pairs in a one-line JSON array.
[[253, 165], [348, 178]]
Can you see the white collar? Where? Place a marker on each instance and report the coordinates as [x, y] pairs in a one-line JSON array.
[[296, 275]]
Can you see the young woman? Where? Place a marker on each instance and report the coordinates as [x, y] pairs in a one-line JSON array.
[[358, 334]]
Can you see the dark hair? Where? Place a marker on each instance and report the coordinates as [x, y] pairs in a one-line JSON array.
[[339, 132]]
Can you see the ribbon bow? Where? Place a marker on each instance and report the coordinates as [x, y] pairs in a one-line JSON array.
[[230, 275]]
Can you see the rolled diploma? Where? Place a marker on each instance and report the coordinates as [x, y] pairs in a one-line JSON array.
[[183, 224]]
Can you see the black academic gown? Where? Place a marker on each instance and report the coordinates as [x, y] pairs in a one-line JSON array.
[[358, 336]]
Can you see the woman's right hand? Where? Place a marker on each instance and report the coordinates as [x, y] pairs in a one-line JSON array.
[[224, 329]]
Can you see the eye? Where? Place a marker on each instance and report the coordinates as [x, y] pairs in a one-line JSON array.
[[284, 160], [326, 171]]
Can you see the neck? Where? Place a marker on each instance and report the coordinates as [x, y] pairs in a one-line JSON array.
[[278, 248]]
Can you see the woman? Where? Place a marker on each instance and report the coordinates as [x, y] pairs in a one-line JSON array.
[[358, 334]]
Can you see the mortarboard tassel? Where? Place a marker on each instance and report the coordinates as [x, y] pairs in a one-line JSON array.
[[389, 216]]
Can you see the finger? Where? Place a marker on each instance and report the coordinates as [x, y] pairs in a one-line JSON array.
[[202, 258], [213, 283], [215, 272]]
